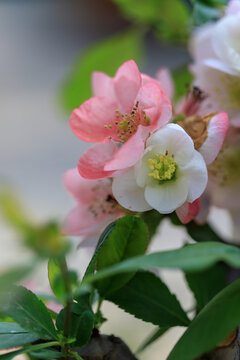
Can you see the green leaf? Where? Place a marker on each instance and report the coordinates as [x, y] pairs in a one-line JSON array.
[[56, 279], [146, 297], [153, 219], [155, 335], [128, 239], [46, 354], [106, 56], [85, 328], [212, 325], [206, 284], [27, 350], [13, 335], [195, 257], [29, 312], [205, 11], [202, 232]]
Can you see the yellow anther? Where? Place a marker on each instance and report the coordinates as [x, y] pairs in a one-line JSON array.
[[163, 167]]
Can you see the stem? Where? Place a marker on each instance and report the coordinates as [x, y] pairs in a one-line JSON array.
[[66, 280], [42, 346]]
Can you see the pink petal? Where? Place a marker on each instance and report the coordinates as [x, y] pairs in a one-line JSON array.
[[102, 85], [130, 152], [91, 164], [88, 122], [155, 103], [127, 82], [188, 211], [217, 129], [166, 82]]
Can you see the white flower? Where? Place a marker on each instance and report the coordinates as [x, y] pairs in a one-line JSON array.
[[170, 173]]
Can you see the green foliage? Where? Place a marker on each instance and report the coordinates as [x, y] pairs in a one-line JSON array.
[[13, 335], [46, 354], [146, 297], [129, 238], [155, 335], [169, 18], [206, 284], [14, 275], [34, 349], [29, 312], [56, 280], [202, 232], [212, 325], [105, 56], [152, 218], [182, 81], [85, 328], [194, 257], [207, 10]]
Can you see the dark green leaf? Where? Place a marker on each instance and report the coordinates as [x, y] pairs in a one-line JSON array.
[[29, 312], [202, 232], [106, 56], [213, 324], [152, 218], [13, 335], [128, 239], [85, 328], [206, 284], [194, 257], [155, 335], [146, 297], [46, 354]]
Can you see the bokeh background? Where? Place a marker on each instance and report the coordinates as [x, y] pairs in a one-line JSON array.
[[40, 41]]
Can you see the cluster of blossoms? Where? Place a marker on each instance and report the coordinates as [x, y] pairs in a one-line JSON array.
[[147, 156]]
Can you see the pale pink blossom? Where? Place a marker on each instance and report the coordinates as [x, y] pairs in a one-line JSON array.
[[189, 211], [95, 209], [170, 173], [123, 111]]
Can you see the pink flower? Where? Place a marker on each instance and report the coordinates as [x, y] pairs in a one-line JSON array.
[[188, 211], [120, 116], [96, 206]]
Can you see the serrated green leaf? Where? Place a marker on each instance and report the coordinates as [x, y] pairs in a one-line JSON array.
[[129, 238], [29, 312], [155, 335], [212, 325], [146, 297], [105, 56], [13, 335], [206, 284], [194, 257]]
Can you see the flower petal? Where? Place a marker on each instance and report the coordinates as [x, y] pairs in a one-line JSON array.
[[188, 211], [80, 221], [166, 81], [127, 82], [130, 152], [197, 176], [91, 164], [175, 140], [167, 197], [88, 122], [128, 194], [217, 129], [102, 85]]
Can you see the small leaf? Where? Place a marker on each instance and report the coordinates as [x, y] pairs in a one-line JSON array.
[[155, 335], [106, 56], [56, 279], [13, 335], [212, 325], [128, 239], [206, 284], [29, 312], [146, 297], [153, 219], [85, 328]]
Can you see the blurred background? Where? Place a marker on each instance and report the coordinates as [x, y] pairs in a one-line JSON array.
[[48, 49]]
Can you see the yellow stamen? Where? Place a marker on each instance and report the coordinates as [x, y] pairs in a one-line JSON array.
[[163, 167]]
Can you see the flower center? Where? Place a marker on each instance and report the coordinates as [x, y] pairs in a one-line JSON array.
[[163, 167]]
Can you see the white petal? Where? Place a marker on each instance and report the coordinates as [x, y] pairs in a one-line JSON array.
[[175, 140], [128, 193], [169, 196], [197, 176]]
